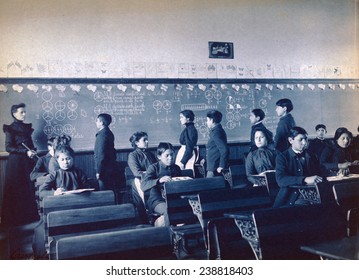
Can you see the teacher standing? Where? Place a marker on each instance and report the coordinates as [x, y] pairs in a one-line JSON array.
[[188, 153], [19, 205]]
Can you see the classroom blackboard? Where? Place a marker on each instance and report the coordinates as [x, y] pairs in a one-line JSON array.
[[60, 106]]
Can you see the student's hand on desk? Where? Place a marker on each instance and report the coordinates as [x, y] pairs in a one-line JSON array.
[[219, 169], [59, 191], [313, 180], [344, 165], [355, 162], [165, 179]]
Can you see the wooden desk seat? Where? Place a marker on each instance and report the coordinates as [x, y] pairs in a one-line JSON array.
[[214, 204], [74, 201], [225, 241], [140, 243], [100, 219], [185, 228], [347, 197], [236, 176], [282, 231]]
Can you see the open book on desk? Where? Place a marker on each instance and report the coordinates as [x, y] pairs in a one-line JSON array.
[[339, 178], [78, 191], [181, 178], [261, 178]]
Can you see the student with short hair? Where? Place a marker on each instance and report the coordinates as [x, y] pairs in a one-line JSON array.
[[256, 118], [216, 149], [41, 168], [336, 159], [295, 167], [67, 177], [156, 176], [317, 145], [286, 122], [105, 153]]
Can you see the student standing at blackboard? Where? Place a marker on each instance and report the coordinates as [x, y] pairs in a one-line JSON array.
[[105, 153], [19, 205], [286, 122], [216, 148], [256, 118], [187, 154]]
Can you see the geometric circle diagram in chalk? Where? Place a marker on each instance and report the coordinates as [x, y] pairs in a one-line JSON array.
[[99, 110], [157, 105], [217, 95], [230, 116], [60, 115], [69, 129], [98, 96], [58, 129], [72, 105], [209, 95], [47, 106], [48, 129], [48, 116], [72, 115], [60, 105], [167, 105], [231, 125], [262, 103], [46, 96]]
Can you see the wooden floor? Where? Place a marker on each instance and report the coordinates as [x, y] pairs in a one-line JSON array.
[[16, 243]]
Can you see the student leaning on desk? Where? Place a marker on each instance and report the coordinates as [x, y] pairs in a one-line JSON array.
[[295, 167], [339, 158], [67, 178]]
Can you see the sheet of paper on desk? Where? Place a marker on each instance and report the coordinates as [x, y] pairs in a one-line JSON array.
[[79, 191], [338, 178], [181, 178]]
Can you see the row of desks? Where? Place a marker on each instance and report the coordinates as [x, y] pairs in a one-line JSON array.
[[345, 248]]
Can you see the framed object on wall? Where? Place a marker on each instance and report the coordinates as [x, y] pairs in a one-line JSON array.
[[220, 50]]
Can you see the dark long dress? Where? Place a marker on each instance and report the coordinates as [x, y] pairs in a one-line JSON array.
[[19, 205]]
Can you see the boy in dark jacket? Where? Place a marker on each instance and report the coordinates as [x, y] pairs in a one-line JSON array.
[[295, 167], [286, 122], [105, 153], [217, 149]]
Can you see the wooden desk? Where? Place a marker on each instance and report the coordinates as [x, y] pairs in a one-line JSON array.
[[343, 249]]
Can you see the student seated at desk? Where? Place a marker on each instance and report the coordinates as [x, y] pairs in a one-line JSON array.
[[336, 159], [317, 145], [156, 176], [295, 167], [138, 161], [67, 178], [262, 158], [256, 118], [41, 169]]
